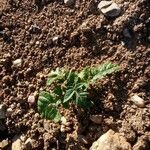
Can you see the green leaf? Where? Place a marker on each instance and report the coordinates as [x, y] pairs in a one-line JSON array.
[[56, 75], [68, 95], [47, 106], [72, 78], [46, 97], [81, 99], [103, 70], [85, 74], [52, 113], [58, 90], [81, 86]]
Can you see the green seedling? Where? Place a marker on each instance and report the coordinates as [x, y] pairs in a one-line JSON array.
[[70, 87]]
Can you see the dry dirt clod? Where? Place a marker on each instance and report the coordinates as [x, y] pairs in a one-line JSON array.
[[109, 8], [111, 141], [138, 101], [96, 119]]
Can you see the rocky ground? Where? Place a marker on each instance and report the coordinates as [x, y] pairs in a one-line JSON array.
[[40, 35]]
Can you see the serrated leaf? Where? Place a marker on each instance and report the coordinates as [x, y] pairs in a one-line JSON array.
[[68, 95], [55, 75], [81, 86], [72, 78], [58, 90], [52, 113], [103, 70], [47, 106], [81, 99], [85, 74]]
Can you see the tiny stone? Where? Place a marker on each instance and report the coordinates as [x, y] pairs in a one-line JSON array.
[[63, 120], [31, 99], [55, 39], [69, 2], [96, 119], [16, 145], [3, 144], [138, 101], [17, 62], [2, 112], [9, 111], [28, 143], [109, 8]]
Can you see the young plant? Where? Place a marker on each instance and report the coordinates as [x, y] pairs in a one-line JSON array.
[[68, 86]]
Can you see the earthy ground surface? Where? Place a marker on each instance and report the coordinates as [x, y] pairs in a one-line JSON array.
[[83, 37]]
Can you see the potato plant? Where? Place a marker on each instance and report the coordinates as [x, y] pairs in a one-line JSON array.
[[70, 87]]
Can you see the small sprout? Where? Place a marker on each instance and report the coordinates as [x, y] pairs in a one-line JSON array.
[[69, 86]]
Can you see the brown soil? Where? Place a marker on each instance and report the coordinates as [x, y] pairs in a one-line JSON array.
[[27, 30]]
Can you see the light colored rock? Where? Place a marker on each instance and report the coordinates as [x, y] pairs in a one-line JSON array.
[[111, 141], [109, 8], [4, 144], [69, 2], [63, 120], [28, 143], [96, 119], [16, 145], [17, 62], [138, 101], [2, 112], [31, 99], [9, 111]]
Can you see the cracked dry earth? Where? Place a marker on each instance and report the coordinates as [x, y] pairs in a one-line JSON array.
[[38, 36]]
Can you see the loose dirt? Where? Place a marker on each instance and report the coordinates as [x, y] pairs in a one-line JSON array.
[[49, 34]]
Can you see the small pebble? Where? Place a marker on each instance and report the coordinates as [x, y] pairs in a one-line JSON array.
[[2, 112], [138, 101], [31, 99], [4, 144], [28, 143], [9, 111], [17, 62], [109, 8], [96, 119], [63, 120], [69, 2]]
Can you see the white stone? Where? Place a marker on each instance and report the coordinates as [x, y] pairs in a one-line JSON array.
[[28, 143], [9, 111], [138, 101], [111, 141], [69, 2], [109, 8], [16, 145], [63, 120], [55, 39], [31, 99], [3, 144], [17, 62]]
